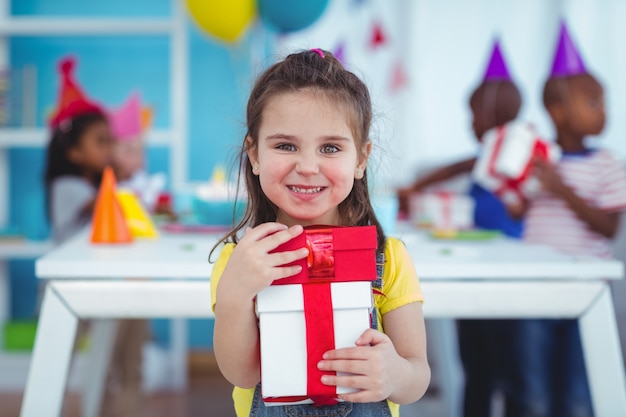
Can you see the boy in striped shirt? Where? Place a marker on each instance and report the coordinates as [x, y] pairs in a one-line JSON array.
[[578, 213]]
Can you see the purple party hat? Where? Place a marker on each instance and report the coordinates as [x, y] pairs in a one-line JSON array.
[[567, 60], [496, 70]]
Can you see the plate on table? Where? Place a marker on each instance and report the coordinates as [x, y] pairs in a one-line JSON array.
[[473, 234]]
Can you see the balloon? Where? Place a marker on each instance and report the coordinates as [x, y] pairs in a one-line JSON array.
[[225, 20], [291, 15]]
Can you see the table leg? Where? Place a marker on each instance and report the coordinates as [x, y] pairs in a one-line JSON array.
[[5, 297], [47, 376], [443, 335], [103, 336], [178, 353], [603, 357]]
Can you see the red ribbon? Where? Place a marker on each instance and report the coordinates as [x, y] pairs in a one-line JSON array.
[[318, 314], [321, 259], [320, 338], [445, 199]]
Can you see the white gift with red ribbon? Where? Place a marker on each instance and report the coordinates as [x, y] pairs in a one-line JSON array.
[[442, 210], [504, 166]]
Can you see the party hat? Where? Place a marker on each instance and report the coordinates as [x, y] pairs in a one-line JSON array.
[[108, 224], [130, 119], [496, 70], [137, 219], [567, 60], [72, 101]]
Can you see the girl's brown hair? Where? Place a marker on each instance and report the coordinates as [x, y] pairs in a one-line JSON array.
[[318, 71]]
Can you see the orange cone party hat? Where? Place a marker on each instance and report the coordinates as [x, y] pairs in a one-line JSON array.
[[72, 101], [108, 224]]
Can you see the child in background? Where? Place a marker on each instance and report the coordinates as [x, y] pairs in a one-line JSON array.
[[304, 159], [578, 213], [495, 102], [483, 343], [129, 123], [78, 152]]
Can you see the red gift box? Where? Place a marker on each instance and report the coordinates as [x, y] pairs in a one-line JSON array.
[[324, 307], [335, 254]]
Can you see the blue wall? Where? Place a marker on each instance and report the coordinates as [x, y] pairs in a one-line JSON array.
[[109, 68]]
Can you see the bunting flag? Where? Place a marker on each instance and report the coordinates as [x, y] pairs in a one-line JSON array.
[[340, 52], [378, 37], [399, 79]]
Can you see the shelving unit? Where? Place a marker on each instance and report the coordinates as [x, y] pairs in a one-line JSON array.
[[13, 365], [37, 137]]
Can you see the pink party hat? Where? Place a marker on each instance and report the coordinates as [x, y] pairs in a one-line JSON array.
[[126, 121], [496, 70], [567, 60]]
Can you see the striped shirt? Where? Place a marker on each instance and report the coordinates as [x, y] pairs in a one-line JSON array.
[[598, 178]]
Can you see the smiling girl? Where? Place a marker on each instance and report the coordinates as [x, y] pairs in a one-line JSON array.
[[304, 158]]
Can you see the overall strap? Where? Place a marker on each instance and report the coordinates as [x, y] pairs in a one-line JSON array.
[[377, 286]]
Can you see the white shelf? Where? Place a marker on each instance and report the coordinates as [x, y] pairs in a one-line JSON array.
[[24, 249], [38, 137], [66, 26]]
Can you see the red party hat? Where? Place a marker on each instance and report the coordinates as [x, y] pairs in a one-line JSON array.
[[72, 101]]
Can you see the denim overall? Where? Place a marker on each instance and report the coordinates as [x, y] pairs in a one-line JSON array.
[[341, 409]]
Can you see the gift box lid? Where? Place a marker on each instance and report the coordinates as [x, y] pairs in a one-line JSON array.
[[288, 298], [335, 254]]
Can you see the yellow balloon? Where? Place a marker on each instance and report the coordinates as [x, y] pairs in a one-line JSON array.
[[225, 20]]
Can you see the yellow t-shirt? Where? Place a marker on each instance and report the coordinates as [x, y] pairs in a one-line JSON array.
[[400, 287]]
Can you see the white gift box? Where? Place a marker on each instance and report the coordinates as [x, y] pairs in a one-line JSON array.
[[504, 165], [280, 309], [442, 211]]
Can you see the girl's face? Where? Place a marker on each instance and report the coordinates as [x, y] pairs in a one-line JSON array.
[[307, 157], [94, 149], [127, 158]]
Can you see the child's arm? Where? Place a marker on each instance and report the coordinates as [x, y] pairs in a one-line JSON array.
[[598, 220], [390, 365], [442, 174], [250, 269]]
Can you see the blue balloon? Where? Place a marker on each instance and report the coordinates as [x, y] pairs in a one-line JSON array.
[[290, 15]]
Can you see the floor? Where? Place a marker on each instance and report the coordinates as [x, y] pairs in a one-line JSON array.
[[207, 395]]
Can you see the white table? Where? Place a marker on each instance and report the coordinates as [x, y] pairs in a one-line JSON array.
[[498, 278]]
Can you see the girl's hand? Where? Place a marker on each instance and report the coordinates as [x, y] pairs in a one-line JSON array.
[[373, 363], [252, 267]]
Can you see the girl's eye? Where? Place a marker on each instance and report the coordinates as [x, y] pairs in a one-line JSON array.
[[286, 147], [329, 149]]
